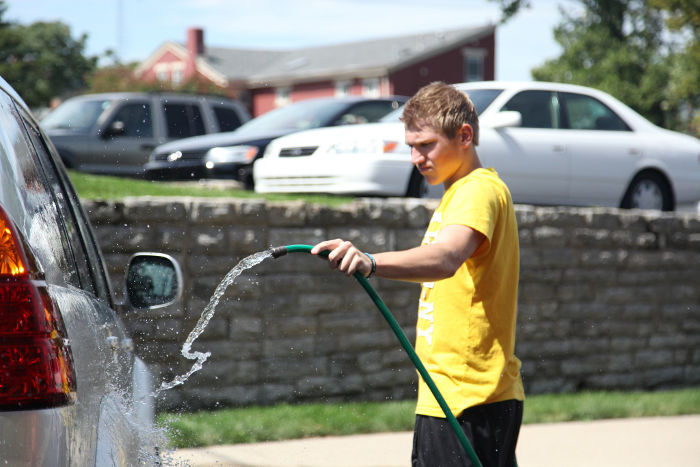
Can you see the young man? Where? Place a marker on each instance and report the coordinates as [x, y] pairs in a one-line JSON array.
[[468, 265]]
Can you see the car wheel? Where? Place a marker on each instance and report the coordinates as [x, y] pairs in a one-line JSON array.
[[417, 187], [248, 182], [648, 190]]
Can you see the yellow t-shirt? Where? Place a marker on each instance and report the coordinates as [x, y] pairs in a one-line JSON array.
[[466, 323]]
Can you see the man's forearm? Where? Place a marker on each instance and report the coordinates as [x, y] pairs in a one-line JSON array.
[[425, 263]]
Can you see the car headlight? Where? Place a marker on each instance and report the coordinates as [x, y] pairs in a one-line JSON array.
[[367, 146], [230, 154]]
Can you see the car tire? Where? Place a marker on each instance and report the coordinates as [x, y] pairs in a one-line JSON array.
[[417, 187], [648, 190]]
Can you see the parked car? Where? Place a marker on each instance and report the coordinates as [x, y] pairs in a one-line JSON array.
[[552, 144], [231, 155], [72, 391], [114, 133]]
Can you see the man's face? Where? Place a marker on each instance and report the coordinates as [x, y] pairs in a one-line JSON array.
[[438, 158]]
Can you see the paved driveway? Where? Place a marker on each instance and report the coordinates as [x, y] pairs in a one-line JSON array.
[[641, 442]]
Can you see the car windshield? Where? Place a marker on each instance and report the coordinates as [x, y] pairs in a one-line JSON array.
[[77, 115], [298, 116], [481, 98]]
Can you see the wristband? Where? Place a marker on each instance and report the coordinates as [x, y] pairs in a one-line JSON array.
[[374, 266]]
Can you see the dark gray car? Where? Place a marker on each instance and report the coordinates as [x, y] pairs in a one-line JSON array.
[[114, 133], [72, 391]]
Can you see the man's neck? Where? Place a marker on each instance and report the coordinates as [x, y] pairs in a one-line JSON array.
[[472, 162]]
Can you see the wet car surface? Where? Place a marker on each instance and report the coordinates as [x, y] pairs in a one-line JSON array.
[[72, 391]]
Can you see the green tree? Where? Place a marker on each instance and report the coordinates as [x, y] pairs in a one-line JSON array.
[[683, 91], [42, 60], [616, 46], [121, 77]]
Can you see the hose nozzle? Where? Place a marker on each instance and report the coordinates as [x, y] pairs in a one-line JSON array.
[[278, 251]]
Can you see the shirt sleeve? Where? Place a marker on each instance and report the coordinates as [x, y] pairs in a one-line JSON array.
[[474, 205]]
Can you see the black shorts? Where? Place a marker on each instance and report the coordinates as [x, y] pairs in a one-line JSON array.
[[492, 430]]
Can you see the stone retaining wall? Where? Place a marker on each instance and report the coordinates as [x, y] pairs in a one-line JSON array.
[[608, 299]]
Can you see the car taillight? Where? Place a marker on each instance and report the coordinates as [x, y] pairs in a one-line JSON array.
[[36, 365]]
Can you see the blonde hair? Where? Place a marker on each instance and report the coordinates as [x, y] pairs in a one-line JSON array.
[[442, 107]]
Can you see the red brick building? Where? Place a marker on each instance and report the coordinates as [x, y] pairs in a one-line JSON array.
[[265, 79]]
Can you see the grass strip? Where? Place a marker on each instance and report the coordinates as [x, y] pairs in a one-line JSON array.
[[90, 186], [286, 421]]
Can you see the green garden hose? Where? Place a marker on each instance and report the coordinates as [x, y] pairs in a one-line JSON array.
[[283, 250]]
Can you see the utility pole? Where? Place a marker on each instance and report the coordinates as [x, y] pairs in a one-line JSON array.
[[120, 31]]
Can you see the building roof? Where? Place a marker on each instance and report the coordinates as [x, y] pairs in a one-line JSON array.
[[369, 58]]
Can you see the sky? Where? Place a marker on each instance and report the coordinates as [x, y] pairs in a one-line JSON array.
[[134, 29]]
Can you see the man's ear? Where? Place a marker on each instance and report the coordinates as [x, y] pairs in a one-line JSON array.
[[466, 134]]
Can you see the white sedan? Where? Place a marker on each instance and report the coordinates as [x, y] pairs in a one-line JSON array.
[[552, 143]]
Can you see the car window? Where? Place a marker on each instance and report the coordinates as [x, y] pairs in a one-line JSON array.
[[366, 112], [83, 245], [539, 109], [587, 113], [227, 118], [301, 115], [183, 120], [26, 194], [482, 98], [78, 115], [136, 117]]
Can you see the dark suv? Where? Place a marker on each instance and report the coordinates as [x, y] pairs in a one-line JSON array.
[[72, 392], [113, 133]]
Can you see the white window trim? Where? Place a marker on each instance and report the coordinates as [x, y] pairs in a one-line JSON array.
[[371, 87], [343, 87], [170, 71], [473, 53], [283, 96]]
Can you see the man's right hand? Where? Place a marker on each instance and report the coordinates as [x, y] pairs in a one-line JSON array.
[[344, 256]]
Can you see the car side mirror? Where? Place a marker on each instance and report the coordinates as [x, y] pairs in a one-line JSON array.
[[116, 128], [502, 119], [153, 280]]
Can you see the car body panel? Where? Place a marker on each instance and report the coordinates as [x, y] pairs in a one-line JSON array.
[[364, 172], [112, 386]]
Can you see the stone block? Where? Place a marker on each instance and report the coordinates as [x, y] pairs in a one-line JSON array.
[[549, 236], [561, 217], [102, 212], [587, 237], [250, 212], [143, 210], [525, 215], [209, 241], [558, 257], [286, 214], [246, 241], [280, 346], [653, 358], [171, 238], [374, 238], [213, 212]]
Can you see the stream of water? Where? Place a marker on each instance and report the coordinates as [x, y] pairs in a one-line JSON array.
[[207, 314]]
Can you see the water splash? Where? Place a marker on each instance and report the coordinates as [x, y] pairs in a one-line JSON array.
[[207, 314]]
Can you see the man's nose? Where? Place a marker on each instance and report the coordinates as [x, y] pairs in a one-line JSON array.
[[416, 156]]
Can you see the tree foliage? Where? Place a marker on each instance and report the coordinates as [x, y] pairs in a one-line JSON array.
[[121, 77], [644, 52], [615, 46], [42, 60], [683, 16]]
